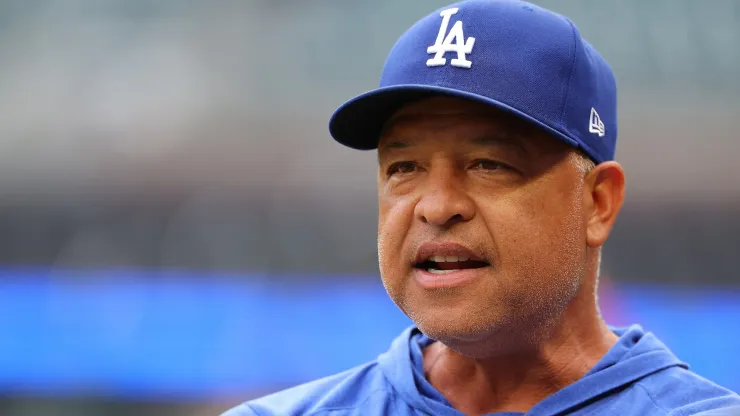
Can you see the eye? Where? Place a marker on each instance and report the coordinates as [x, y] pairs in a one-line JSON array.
[[401, 167], [485, 164]]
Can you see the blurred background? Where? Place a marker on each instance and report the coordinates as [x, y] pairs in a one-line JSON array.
[[178, 232]]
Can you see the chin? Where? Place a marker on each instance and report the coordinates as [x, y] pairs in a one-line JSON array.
[[450, 327], [480, 336]]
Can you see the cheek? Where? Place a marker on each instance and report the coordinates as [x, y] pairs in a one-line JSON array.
[[395, 216], [540, 234]]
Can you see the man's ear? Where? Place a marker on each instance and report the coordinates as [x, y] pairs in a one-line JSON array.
[[605, 194]]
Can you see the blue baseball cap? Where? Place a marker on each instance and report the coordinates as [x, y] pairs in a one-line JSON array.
[[518, 57]]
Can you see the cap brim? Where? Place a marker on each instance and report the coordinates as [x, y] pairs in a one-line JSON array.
[[359, 122]]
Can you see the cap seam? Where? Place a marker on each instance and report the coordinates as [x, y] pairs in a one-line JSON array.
[[570, 76]]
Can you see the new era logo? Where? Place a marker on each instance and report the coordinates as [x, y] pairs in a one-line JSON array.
[[595, 125]]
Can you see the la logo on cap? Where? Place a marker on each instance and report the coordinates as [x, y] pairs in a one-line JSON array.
[[454, 41]]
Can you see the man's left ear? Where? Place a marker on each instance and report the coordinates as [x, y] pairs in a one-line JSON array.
[[605, 195]]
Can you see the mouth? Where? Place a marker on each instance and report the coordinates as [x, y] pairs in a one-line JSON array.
[[442, 265], [437, 259]]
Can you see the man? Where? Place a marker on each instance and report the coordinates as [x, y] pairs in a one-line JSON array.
[[495, 125]]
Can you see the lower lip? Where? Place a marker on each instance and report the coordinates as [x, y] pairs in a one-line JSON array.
[[429, 280]]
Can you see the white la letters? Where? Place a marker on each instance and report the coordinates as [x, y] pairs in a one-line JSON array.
[[454, 41]]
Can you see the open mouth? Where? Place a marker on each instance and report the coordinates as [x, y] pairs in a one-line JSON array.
[[449, 264]]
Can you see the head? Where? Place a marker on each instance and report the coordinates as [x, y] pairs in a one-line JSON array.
[[531, 210], [497, 181]]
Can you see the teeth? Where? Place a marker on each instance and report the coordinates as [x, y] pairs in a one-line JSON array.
[[437, 271], [447, 259]]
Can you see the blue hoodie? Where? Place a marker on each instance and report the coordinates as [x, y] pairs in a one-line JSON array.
[[638, 376]]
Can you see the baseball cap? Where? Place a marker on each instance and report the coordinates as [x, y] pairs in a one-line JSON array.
[[518, 57]]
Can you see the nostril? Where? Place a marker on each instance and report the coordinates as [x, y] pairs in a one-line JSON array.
[[455, 219]]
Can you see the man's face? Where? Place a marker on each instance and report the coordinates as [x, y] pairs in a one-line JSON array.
[[499, 201]]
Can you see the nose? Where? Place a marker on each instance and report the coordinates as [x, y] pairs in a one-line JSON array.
[[444, 201]]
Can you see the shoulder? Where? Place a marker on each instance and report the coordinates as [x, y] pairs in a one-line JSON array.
[[680, 392], [345, 390]]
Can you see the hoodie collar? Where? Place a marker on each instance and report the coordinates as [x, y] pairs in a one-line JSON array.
[[636, 355]]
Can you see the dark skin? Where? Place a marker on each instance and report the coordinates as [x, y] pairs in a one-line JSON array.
[[527, 324]]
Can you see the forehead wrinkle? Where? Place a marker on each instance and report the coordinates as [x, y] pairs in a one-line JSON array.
[[503, 137], [500, 134]]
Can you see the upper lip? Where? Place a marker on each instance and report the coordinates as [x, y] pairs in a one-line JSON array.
[[430, 249]]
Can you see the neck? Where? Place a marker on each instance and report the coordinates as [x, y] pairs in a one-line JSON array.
[[516, 381]]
